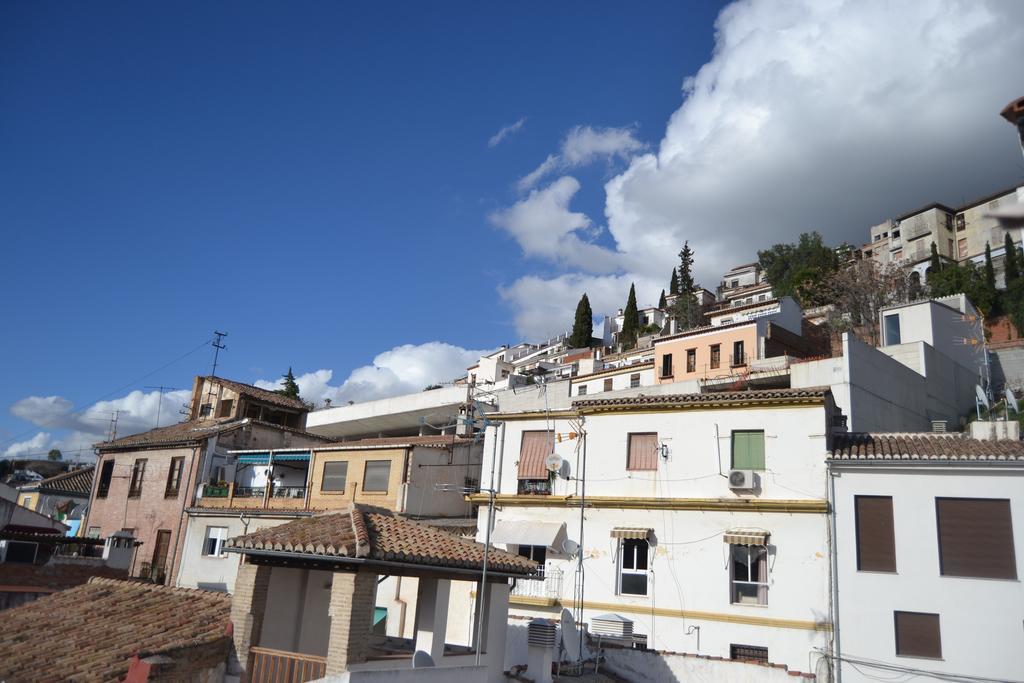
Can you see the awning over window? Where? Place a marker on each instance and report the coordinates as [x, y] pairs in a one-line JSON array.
[[535, 449], [746, 537], [631, 532], [254, 459], [546, 534], [291, 457]]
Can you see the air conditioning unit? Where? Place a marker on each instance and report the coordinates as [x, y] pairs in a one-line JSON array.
[[741, 479]]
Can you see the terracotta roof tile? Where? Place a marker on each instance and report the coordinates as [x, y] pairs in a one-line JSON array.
[[716, 399], [181, 433], [90, 633], [54, 577], [76, 482], [262, 395], [924, 446], [372, 534]]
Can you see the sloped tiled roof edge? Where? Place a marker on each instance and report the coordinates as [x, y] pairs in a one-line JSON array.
[[811, 395], [925, 447], [265, 395], [74, 482]]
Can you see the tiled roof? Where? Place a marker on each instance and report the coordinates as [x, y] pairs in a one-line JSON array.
[[54, 577], [76, 482], [263, 395], [371, 534], [923, 446], [430, 441], [712, 399], [181, 433], [91, 633]]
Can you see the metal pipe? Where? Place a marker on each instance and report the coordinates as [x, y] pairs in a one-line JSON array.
[[835, 575]]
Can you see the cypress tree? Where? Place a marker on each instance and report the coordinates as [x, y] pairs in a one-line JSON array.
[[583, 324], [289, 387], [630, 321], [685, 309], [1013, 266], [673, 284], [935, 265], [662, 303]]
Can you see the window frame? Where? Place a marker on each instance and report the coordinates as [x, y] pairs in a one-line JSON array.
[[734, 582], [716, 356], [732, 450], [581, 390], [630, 466], [609, 384], [225, 406], [739, 353], [531, 552], [691, 360], [946, 557], [174, 471], [105, 478], [634, 380], [896, 634], [860, 535], [323, 476], [137, 478], [219, 542], [622, 570], [888, 329], [666, 365], [366, 469]]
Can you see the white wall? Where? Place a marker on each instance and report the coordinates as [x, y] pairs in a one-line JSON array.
[[431, 467], [656, 667], [980, 619], [619, 381], [215, 573], [296, 618]]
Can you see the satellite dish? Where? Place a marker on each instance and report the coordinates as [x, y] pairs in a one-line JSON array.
[[570, 636], [422, 660], [982, 398], [569, 547], [1011, 401], [553, 463]]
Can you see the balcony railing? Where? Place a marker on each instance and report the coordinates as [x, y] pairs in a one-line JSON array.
[[249, 491], [550, 587], [288, 492], [536, 487], [277, 666], [214, 491]]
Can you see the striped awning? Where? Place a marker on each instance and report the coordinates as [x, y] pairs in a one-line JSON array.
[[291, 457], [631, 532], [254, 459], [746, 537]]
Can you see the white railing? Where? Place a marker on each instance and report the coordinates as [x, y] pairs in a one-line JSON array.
[[549, 587]]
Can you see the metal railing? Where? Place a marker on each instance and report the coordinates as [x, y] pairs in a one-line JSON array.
[[249, 491], [537, 487], [549, 587], [214, 491], [277, 666], [289, 492]]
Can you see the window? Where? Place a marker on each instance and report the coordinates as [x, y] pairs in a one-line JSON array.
[[537, 553], [738, 356], [749, 574], [608, 384], [106, 474], [335, 476], [634, 380], [691, 360], [26, 501], [892, 329], [897, 255], [533, 451], [876, 539], [174, 477], [642, 453], [747, 450], [975, 538], [960, 222], [376, 475], [716, 356], [20, 551], [205, 410], [213, 544], [961, 248], [735, 283], [748, 653], [666, 365], [138, 472], [582, 390], [224, 407], [895, 234], [917, 634], [633, 566], [93, 532]]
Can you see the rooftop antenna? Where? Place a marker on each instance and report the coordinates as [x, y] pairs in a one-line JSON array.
[[160, 401], [113, 425], [217, 346]]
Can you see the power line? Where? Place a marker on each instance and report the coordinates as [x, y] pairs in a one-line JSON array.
[[89, 404]]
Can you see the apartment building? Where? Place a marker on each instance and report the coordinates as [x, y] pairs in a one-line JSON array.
[[929, 530], [144, 482], [705, 517], [744, 284]]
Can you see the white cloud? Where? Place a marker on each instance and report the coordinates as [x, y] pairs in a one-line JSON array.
[[545, 227], [506, 131], [40, 443], [828, 116], [404, 369], [584, 145]]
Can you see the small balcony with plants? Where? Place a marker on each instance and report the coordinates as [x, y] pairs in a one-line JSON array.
[[260, 480]]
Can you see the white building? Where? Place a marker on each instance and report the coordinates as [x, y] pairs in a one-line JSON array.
[[929, 533], [702, 566]]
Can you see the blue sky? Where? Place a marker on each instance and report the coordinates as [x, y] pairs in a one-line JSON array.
[[317, 179]]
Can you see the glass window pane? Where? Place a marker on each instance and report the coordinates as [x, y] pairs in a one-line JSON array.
[[634, 584], [745, 594], [892, 329], [376, 475], [335, 476]]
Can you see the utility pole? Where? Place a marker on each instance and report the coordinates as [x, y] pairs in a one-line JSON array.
[[160, 401], [112, 433], [217, 346]]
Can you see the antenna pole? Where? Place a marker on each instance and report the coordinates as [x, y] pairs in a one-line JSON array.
[[160, 401], [217, 346]]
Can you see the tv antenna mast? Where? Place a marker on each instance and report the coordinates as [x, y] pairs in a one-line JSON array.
[[217, 346], [160, 401]]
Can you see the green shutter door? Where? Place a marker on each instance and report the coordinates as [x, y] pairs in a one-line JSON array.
[[748, 450]]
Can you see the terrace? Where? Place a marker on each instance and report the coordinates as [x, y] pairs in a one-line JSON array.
[[275, 480]]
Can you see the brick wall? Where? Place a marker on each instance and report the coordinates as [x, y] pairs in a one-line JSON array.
[[351, 611], [248, 604]]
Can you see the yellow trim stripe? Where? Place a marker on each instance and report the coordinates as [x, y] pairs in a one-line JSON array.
[[810, 506]]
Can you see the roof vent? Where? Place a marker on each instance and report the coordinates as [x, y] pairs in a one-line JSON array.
[[939, 426], [613, 625], [541, 632]]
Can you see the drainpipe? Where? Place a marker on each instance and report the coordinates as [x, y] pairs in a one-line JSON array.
[[837, 649]]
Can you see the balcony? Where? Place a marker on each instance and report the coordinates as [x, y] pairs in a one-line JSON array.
[[266, 665], [253, 497], [534, 487], [546, 592]]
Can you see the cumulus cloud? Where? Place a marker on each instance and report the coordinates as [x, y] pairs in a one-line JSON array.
[[506, 131], [402, 370], [828, 116], [545, 227], [582, 146], [40, 443]]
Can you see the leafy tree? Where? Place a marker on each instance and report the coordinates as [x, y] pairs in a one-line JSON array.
[[862, 289], [686, 309], [965, 277], [800, 270], [55, 454], [583, 325], [662, 302], [289, 387], [673, 284], [1012, 265], [630, 321]]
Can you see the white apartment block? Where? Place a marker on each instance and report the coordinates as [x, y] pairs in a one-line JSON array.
[[929, 534]]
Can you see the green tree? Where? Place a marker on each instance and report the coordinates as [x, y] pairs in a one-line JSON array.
[[955, 278], [935, 264], [55, 454], [801, 270], [583, 325], [673, 284], [630, 321], [289, 387], [686, 309], [662, 301], [991, 294], [1012, 265]]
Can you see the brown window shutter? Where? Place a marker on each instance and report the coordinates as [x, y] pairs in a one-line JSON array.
[[917, 634], [876, 538], [535, 449], [975, 538], [643, 452]]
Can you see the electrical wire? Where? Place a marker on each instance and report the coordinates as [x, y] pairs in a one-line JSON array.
[[906, 670]]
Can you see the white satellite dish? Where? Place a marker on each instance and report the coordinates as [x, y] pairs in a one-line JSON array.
[[982, 398], [570, 635], [569, 547], [1011, 401], [553, 463]]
